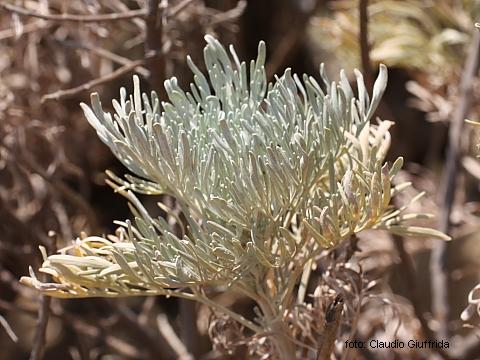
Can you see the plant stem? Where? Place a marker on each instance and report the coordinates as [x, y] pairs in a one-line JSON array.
[[206, 301], [155, 59], [438, 259], [40, 336], [364, 45], [282, 340], [332, 322]]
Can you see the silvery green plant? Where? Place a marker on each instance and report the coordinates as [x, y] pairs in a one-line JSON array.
[[267, 175]]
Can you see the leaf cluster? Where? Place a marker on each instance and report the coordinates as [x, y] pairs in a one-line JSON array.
[[267, 175]]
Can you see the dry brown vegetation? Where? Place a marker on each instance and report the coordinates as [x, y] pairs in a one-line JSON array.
[[54, 53]]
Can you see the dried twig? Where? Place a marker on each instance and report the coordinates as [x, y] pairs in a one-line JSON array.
[[408, 268], [78, 324], [105, 54], [146, 312], [332, 322], [27, 28], [284, 50], [74, 17], [169, 334], [438, 258], [229, 15], [364, 45], [156, 345], [38, 347], [43, 315], [62, 94], [153, 47], [58, 185], [8, 329], [24, 232], [291, 42], [174, 11]]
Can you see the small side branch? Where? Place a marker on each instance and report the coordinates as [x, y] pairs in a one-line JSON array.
[[103, 53], [439, 283], [174, 11], [4, 323], [291, 42], [43, 315], [364, 45], [61, 94], [38, 347], [171, 337], [155, 62], [408, 268], [157, 346], [140, 13]]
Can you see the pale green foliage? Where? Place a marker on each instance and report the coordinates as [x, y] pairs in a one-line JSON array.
[[431, 36], [266, 175]]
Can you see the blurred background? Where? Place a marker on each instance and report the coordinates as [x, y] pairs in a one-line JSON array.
[[52, 163]]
